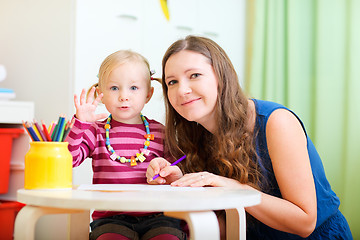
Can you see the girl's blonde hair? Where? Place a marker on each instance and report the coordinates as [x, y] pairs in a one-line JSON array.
[[230, 151], [118, 58]]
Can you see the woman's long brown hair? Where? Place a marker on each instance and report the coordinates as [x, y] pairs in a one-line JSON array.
[[230, 152]]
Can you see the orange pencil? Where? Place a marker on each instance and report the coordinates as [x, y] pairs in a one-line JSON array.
[[23, 123]]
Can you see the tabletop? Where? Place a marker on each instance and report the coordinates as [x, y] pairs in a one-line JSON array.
[[146, 198], [194, 205]]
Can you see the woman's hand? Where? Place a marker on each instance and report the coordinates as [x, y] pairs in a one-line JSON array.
[[85, 109], [167, 173], [201, 179]]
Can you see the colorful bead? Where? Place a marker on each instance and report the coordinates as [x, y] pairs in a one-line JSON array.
[[145, 151], [133, 162], [149, 136], [139, 156], [113, 156]]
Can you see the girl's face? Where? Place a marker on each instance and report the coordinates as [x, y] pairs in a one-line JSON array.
[[126, 91], [192, 87]]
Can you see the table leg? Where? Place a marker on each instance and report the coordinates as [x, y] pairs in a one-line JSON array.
[[235, 224], [202, 225], [27, 217], [79, 225]]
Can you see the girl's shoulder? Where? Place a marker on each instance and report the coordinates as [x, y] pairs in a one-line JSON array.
[[154, 122], [155, 125]]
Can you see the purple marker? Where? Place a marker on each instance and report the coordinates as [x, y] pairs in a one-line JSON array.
[[174, 163]]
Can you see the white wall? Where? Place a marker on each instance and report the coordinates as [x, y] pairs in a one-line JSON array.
[[35, 47], [53, 49]]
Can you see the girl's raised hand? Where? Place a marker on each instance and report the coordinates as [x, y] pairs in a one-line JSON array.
[[167, 173], [85, 108]]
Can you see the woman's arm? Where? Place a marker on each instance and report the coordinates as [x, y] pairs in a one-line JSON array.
[[296, 212]]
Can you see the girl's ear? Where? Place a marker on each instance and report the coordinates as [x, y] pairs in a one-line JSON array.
[[97, 90], [149, 95]]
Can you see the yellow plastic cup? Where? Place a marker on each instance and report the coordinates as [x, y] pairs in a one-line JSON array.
[[48, 165]]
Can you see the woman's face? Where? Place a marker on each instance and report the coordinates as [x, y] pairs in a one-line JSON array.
[[192, 87]]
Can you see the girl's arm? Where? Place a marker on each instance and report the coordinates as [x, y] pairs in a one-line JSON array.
[[81, 138], [297, 212]]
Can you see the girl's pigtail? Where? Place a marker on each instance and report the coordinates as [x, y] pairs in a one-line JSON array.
[[96, 85], [156, 79], [152, 72]]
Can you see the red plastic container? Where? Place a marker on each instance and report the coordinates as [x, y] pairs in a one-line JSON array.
[[8, 212], [6, 139]]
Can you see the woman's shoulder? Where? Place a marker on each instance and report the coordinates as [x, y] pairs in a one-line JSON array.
[[267, 107], [275, 115]]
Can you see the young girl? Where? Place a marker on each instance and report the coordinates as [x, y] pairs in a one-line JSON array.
[[122, 145], [244, 143]]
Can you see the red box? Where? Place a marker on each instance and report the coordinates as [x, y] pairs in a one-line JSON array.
[[8, 212], [6, 138]]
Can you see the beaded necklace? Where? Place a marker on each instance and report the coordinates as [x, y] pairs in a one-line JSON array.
[[139, 156]]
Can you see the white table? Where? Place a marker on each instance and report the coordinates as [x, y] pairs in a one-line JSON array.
[[194, 206]]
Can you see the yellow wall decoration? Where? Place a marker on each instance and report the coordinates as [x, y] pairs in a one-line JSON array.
[[165, 9]]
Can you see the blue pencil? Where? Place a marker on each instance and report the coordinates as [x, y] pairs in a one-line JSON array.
[[60, 129], [173, 164], [32, 133]]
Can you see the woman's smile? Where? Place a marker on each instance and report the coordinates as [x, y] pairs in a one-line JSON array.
[[188, 102]]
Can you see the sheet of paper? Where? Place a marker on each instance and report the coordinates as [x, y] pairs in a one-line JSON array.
[[135, 187]]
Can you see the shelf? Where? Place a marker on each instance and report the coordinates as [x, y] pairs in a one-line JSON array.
[[13, 112]]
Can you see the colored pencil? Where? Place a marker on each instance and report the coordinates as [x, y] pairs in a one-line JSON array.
[[173, 164], [47, 135], [56, 129], [40, 131], [32, 133], [55, 132], [50, 127], [37, 132], [68, 129], [23, 123], [61, 131]]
